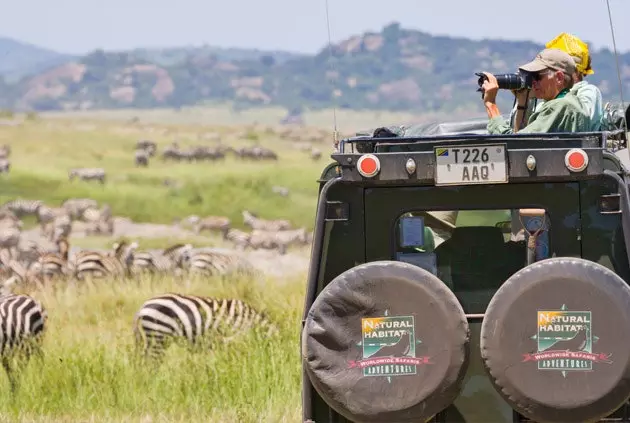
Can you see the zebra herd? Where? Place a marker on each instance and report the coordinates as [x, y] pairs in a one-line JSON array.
[[160, 319], [266, 234], [55, 222]]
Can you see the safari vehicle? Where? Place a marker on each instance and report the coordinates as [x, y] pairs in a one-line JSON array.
[[465, 277]]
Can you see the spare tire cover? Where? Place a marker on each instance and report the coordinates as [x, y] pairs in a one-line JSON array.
[[386, 341], [555, 341]]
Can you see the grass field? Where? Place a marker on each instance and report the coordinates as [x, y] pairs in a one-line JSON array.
[[43, 151], [90, 373]]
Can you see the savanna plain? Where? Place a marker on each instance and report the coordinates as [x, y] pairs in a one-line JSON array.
[[89, 371]]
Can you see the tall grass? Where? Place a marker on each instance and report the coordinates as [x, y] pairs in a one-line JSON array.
[[90, 371]]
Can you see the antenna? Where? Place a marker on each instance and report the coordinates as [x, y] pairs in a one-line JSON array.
[[332, 66], [612, 30]]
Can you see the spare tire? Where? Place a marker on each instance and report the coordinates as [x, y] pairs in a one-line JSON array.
[[386, 341], [555, 342]]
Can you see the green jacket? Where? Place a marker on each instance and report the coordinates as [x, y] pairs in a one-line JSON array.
[[562, 114]]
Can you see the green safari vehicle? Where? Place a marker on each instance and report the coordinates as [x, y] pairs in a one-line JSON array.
[[458, 276]]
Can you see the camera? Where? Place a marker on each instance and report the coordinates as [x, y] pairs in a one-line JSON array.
[[509, 81]]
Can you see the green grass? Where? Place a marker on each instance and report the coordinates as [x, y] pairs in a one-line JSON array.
[[42, 153], [90, 371]]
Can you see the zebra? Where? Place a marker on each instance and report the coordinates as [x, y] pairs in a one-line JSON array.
[[53, 265], [87, 174], [282, 191], [193, 318], [220, 223], [22, 327], [100, 265], [145, 145], [77, 206], [171, 258], [5, 151], [278, 239], [217, 263], [142, 158], [5, 165], [22, 207], [316, 154], [51, 217], [266, 225], [238, 237], [10, 234]]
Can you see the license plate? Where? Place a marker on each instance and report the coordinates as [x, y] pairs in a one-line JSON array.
[[470, 165]]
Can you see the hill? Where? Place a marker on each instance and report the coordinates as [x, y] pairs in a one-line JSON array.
[[21, 59], [395, 69]]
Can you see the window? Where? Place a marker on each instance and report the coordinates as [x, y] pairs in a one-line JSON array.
[[472, 251]]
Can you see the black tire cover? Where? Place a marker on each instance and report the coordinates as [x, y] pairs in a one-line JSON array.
[[555, 341], [398, 299]]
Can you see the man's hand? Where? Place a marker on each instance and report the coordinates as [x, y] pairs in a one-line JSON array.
[[490, 88]]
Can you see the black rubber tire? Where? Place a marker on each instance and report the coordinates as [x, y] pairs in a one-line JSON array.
[[508, 346], [333, 333]]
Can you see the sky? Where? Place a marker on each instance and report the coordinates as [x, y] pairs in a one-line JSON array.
[[79, 26]]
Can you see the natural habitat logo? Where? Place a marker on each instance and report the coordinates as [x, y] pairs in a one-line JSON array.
[[389, 347], [565, 341]]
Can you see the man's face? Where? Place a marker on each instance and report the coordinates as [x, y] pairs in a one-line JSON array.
[[547, 84]]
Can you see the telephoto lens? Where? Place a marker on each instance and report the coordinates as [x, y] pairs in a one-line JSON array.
[[510, 81]]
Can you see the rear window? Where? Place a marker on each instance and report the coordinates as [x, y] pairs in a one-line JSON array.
[[472, 251]]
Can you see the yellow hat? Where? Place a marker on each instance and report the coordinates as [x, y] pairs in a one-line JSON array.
[[576, 48]]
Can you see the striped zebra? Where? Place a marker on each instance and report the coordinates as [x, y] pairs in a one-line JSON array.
[[141, 158], [96, 264], [218, 263], [77, 206], [194, 319], [266, 225], [53, 265], [10, 235], [46, 217], [220, 223], [278, 239], [5, 165], [87, 174], [22, 326], [238, 237], [171, 259], [22, 207]]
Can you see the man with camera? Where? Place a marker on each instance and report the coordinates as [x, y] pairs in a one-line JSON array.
[[550, 77], [589, 95]]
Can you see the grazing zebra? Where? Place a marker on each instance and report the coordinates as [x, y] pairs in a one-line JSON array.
[[22, 327], [22, 207], [172, 316], [10, 234], [149, 146], [266, 225], [238, 237], [217, 263], [55, 265], [97, 264], [5, 151], [210, 223], [5, 165], [282, 191], [278, 239], [171, 259], [87, 174], [77, 206], [141, 158]]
